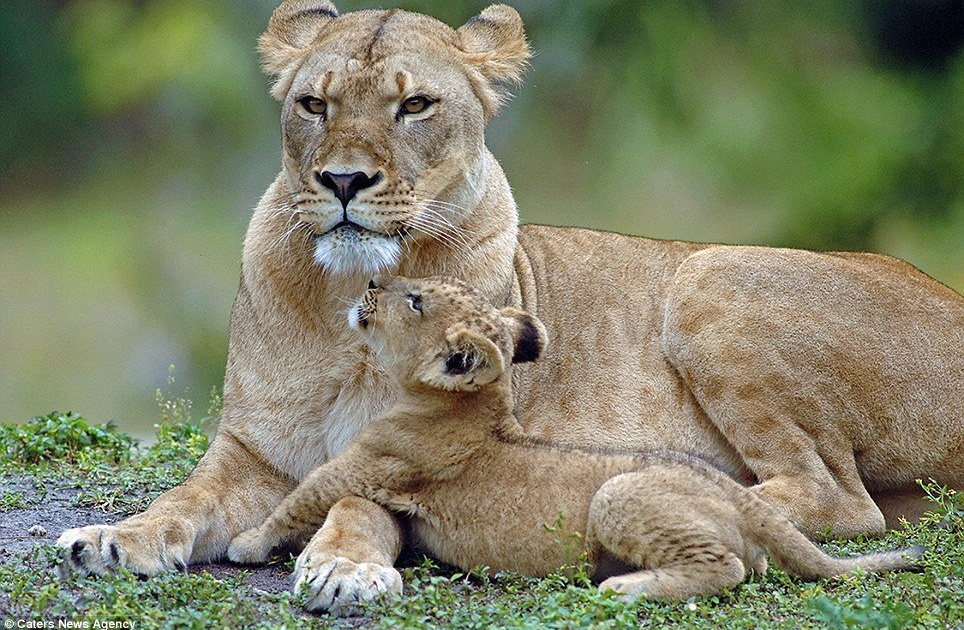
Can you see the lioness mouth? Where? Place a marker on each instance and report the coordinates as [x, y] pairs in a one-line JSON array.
[[346, 224], [354, 227]]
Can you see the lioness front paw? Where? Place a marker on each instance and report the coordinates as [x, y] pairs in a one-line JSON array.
[[146, 546], [249, 547], [82, 547], [339, 585]]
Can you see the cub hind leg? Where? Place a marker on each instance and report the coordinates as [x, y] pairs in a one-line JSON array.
[[668, 523], [679, 581]]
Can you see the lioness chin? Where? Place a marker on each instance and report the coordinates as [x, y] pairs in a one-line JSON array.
[[827, 382]]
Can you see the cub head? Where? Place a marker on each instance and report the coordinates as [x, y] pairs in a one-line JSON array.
[[442, 333], [383, 115]]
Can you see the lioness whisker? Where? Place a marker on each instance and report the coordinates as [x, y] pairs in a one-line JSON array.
[[286, 238], [420, 197], [439, 221], [439, 212], [440, 235], [454, 207], [431, 217], [404, 236], [419, 223], [292, 212]]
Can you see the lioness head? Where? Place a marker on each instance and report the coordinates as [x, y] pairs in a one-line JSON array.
[[382, 122], [442, 333]]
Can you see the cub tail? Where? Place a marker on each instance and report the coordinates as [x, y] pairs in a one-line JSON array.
[[795, 553]]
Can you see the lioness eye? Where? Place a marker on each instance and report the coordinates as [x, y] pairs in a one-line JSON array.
[[415, 105], [313, 105], [415, 302]]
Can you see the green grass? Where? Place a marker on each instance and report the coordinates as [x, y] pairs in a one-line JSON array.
[[115, 474]]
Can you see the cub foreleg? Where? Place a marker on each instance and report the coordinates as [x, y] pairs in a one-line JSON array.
[[300, 514]]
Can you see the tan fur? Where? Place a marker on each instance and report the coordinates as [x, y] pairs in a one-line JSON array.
[[452, 456], [832, 380]]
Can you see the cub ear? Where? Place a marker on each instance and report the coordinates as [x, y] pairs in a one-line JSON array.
[[470, 361], [292, 27], [528, 334], [494, 43]]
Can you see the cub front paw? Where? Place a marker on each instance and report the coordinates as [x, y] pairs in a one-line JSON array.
[[249, 548], [146, 546], [339, 585]]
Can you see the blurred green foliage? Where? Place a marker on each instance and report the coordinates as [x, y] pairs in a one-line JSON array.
[[138, 134], [62, 436]]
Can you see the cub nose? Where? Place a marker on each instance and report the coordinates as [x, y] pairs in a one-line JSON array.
[[346, 186]]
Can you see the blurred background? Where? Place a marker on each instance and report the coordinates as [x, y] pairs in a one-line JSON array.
[[137, 135]]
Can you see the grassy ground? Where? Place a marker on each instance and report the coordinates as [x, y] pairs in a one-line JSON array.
[[60, 471]]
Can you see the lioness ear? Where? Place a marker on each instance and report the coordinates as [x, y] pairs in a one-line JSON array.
[[292, 27], [494, 43], [528, 335], [471, 361]]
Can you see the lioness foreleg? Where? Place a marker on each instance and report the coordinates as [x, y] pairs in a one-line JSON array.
[[229, 491], [350, 559]]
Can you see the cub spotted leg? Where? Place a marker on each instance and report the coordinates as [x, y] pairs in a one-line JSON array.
[[349, 559], [683, 538], [678, 582], [303, 511]]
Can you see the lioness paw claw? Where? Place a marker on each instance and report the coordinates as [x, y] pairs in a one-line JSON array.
[[82, 551], [340, 586], [145, 548]]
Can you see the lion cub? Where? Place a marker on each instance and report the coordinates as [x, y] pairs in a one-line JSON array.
[[478, 491]]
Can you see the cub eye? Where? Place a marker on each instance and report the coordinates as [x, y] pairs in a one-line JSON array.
[[415, 105], [415, 302], [312, 105]]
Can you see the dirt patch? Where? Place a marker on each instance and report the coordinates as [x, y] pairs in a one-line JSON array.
[[49, 507]]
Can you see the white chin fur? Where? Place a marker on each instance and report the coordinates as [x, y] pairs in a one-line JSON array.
[[353, 318], [368, 256]]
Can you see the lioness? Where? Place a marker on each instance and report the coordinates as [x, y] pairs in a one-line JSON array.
[[450, 454], [830, 382]]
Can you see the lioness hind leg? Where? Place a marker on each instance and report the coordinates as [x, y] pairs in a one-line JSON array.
[[680, 581], [789, 371]]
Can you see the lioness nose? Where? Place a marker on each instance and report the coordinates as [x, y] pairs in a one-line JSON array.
[[346, 186]]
